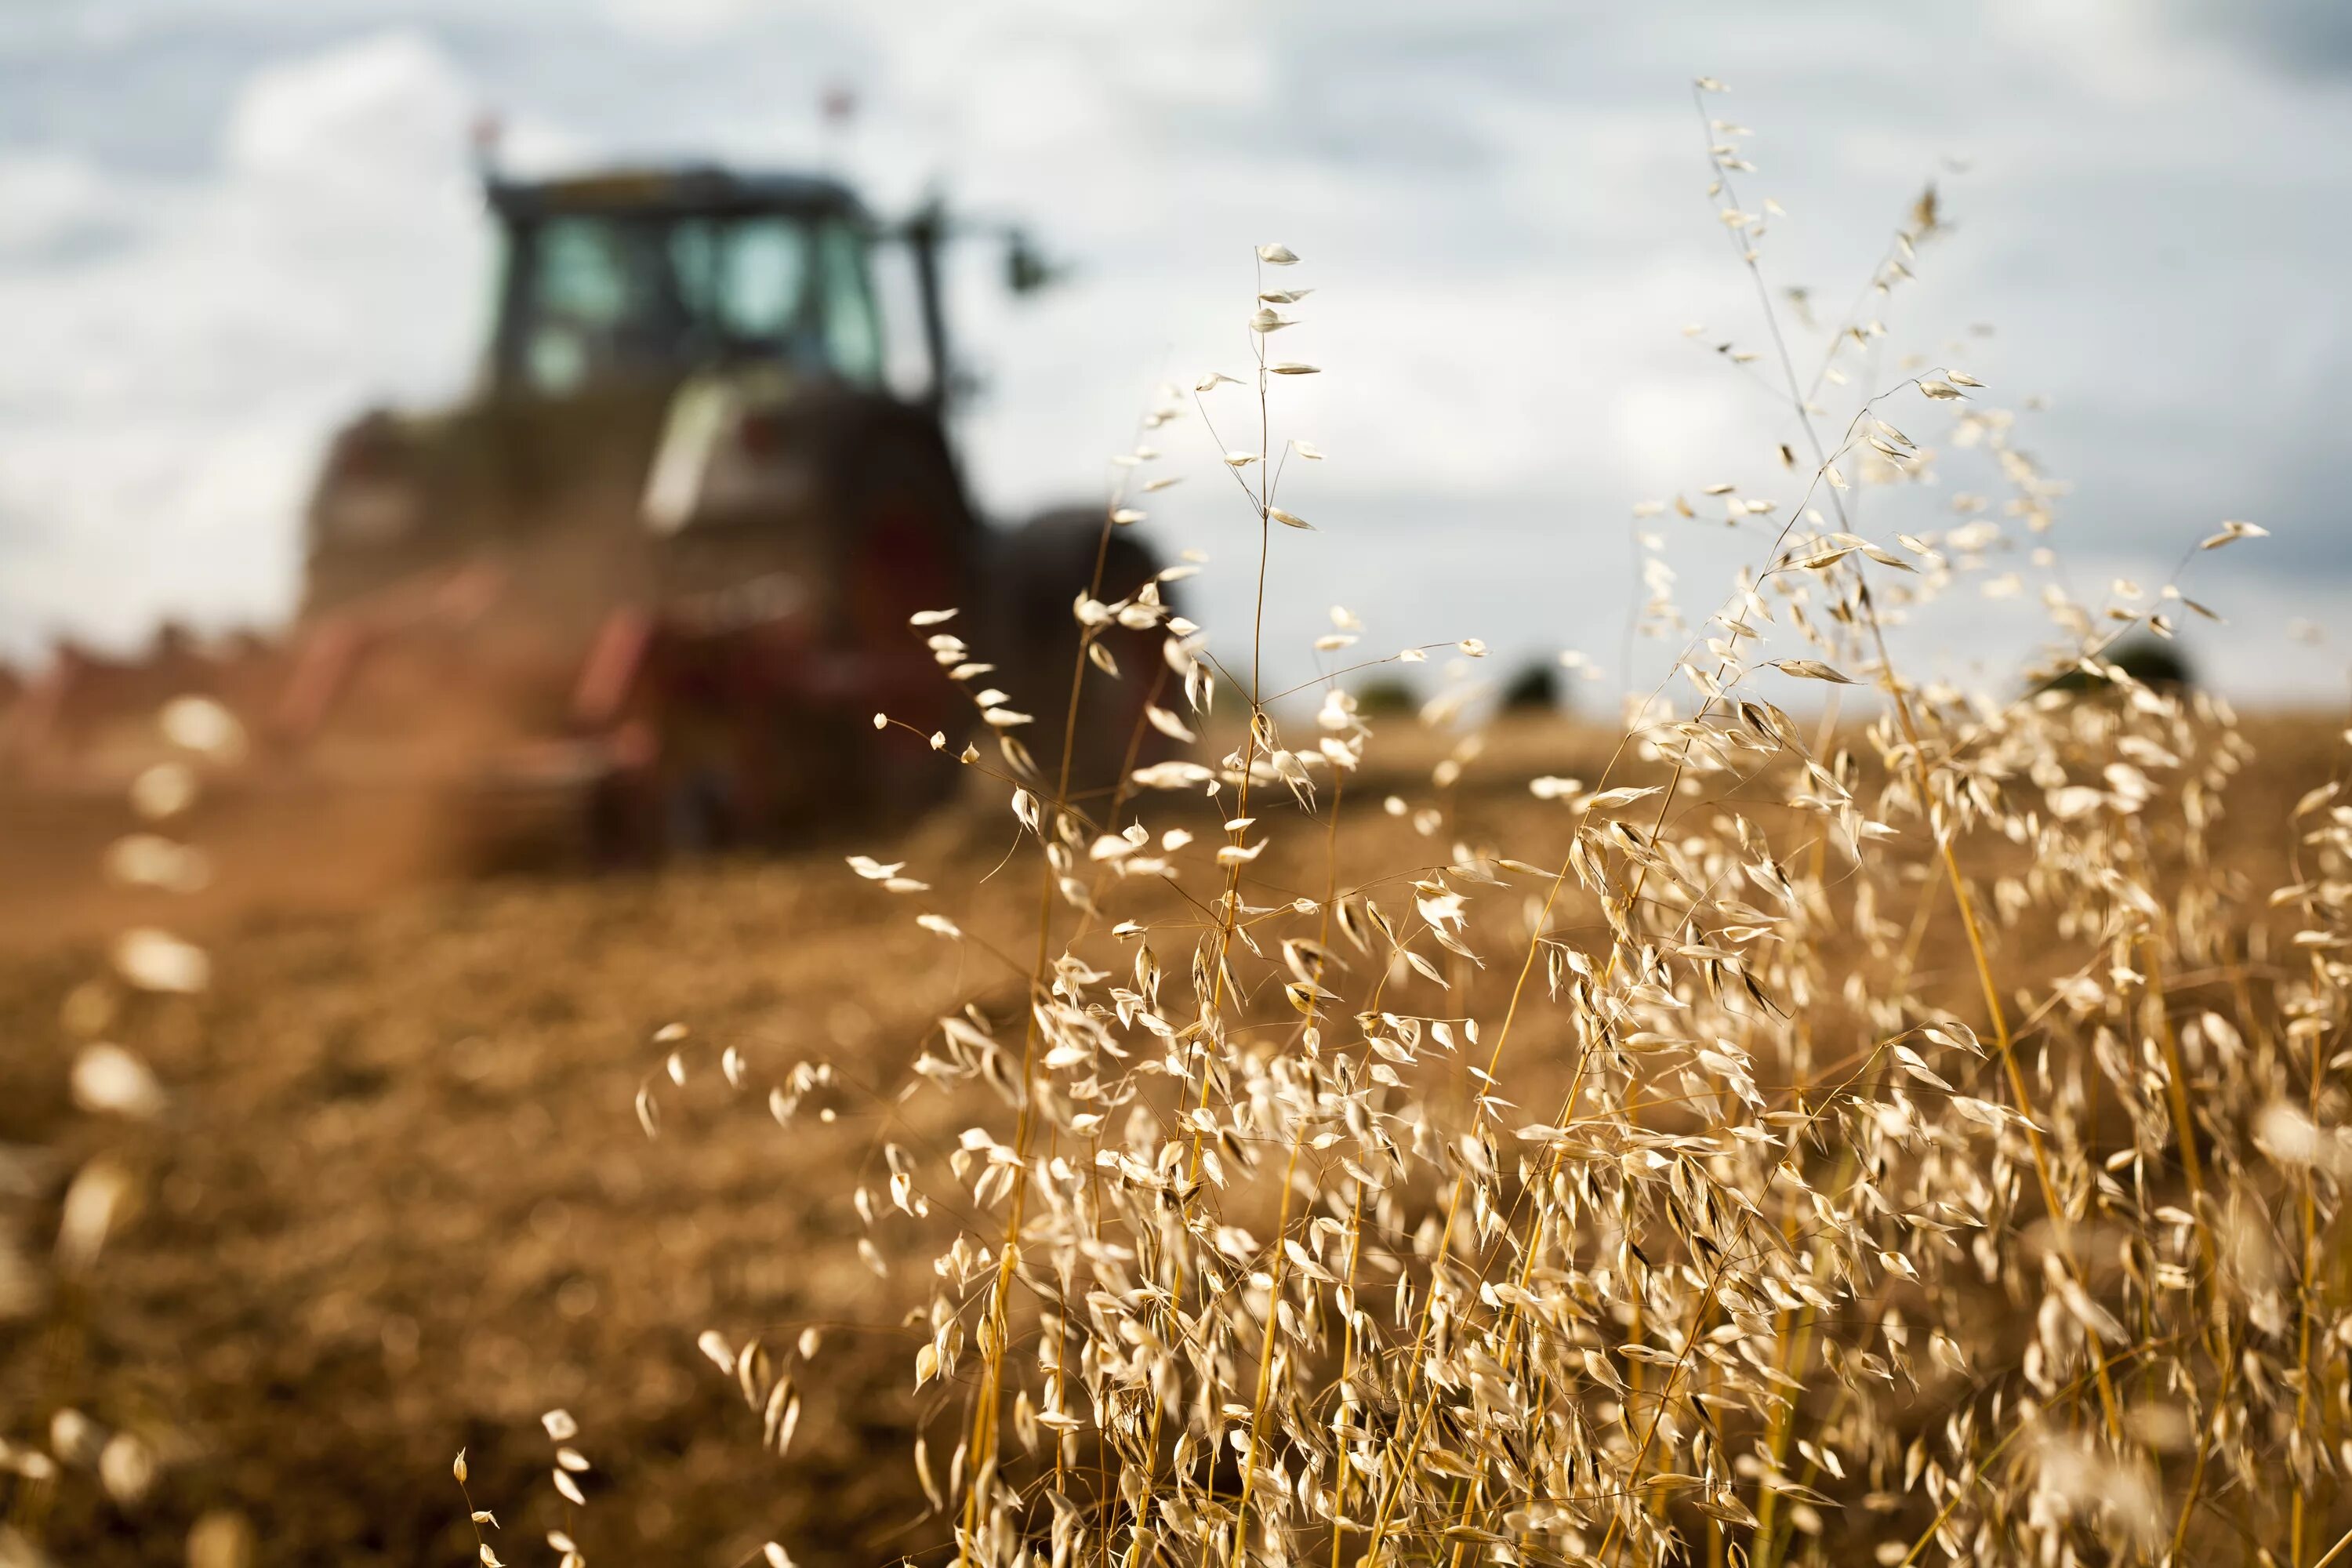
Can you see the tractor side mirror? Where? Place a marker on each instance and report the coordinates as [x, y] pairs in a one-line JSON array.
[[926, 231], [1026, 268]]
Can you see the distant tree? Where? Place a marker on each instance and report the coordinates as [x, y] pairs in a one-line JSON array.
[[2151, 661], [1385, 694], [1534, 689]]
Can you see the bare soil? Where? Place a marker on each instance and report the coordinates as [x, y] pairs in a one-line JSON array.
[[401, 1203]]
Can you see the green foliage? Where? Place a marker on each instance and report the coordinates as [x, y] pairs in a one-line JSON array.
[[1534, 689]]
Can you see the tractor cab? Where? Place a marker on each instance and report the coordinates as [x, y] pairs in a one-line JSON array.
[[650, 277], [694, 361]]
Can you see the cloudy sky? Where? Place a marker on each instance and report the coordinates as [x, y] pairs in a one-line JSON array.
[[228, 224]]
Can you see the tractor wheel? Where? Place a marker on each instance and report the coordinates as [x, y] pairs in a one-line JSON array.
[[1037, 572]]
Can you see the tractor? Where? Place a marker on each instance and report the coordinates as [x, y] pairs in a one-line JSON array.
[[645, 588]]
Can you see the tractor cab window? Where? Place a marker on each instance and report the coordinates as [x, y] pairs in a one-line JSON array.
[[622, 297], [744, 282], [594, 303], [853, 328]]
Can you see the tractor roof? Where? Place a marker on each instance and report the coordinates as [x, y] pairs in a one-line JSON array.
[[675, 191]]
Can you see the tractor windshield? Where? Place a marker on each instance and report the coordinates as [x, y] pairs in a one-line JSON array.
[[601, 297]]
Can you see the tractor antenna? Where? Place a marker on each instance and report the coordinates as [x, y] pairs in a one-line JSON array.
[[484, 137], [836, 107]]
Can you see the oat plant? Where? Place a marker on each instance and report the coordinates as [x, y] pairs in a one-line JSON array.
[[1861, 1126]]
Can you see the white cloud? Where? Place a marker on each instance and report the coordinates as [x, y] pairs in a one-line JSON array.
[[169, 389], [56, 207], [388, 107], [677, 21], [1504, 210]]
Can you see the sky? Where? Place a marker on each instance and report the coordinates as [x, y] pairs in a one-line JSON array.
[[228, 226]]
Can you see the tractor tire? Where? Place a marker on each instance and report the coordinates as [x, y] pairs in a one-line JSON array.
[[1035, 575]]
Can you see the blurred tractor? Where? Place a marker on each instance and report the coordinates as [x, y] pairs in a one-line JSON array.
[[645, 589]]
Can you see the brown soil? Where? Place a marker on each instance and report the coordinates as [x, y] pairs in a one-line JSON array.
[[400, 1203]]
